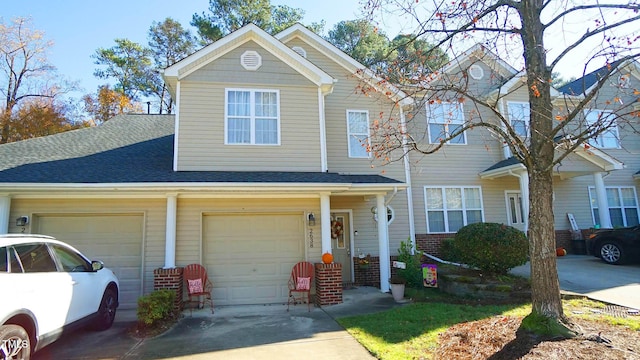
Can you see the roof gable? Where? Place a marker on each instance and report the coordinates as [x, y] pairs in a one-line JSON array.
[[251, 32], [584, 84]]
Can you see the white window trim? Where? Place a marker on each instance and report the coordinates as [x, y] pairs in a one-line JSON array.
[[446, 123], [613, 128], [444, 209], [349, 134], [527, 122], [252, 116], [592, 202]]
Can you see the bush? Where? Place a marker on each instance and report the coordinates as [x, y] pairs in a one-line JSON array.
[[413, 272], [155, 307], [490, 247]]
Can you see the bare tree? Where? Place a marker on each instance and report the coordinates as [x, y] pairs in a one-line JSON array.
[[26, 70], [537, 35]]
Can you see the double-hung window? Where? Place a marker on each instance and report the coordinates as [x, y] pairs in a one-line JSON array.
[[608, 139], [445, 119], [358, 133], [519, 117], [622, 203], [450, 208], [252, 117]]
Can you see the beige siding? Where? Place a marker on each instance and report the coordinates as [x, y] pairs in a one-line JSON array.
[[154, 211], [201, 130], [345, 97]]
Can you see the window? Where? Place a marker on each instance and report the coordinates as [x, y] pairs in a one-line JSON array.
[[35, 258], [623, 206], [391, 214], [253, 117], [608, 139], [444, 120], [358, 133], [519, 116], [450, 208], [70, 261], [8, 261]]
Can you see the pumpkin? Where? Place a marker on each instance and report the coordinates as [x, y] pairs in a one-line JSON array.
[[561, 251], [327, 258]]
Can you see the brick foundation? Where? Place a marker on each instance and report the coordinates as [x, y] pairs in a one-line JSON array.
[[170, 279], [328, 284], [369, 276]]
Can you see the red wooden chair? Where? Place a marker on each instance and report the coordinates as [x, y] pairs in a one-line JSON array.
[[198, 284], [300, 282]]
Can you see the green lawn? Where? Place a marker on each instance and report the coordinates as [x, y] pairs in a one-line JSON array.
[[411, 331]]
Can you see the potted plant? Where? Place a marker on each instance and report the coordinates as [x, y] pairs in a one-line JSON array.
[[397, 284]]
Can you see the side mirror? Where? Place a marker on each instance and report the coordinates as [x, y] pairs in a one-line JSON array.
[[97, 265]]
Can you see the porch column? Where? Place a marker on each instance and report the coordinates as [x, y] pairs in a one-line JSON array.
[[601, 199], [325, 222], [170, 233], [383, 243], [5, 212], [524, 193]]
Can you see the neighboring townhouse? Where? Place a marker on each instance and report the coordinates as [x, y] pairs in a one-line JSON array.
[[266, 163]]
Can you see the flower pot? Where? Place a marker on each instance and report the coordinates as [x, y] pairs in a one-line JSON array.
[[397, 290]]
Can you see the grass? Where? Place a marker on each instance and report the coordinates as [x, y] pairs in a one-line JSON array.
[[412, 331]]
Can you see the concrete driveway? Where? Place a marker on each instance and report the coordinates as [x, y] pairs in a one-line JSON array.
[[589, 276], [234, 332]]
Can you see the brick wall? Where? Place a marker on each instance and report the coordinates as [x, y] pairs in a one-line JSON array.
[[328, 284], [431, 243], [369, 276], [170, 279]]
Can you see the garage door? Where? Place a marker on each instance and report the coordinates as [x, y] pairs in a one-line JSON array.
[[116, 240], [249, 257]]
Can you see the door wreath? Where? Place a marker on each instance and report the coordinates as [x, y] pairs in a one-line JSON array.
[[337, 229]]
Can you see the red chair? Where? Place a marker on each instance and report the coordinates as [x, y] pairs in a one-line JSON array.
[[300, 282], [198, 284]]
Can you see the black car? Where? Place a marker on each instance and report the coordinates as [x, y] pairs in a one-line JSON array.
[[617, 246]]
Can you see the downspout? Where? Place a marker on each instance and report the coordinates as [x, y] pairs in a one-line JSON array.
[[177, 122], [407, 175], [323, 133], [506, 152]]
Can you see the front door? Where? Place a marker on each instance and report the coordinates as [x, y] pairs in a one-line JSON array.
[[514, 209], [341, 243]]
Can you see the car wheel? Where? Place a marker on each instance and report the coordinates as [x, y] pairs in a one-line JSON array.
[[14, 342], [107, 310], [611, 253]]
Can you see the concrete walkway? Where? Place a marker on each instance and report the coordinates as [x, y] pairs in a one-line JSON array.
[[235, 332], [589, 276]]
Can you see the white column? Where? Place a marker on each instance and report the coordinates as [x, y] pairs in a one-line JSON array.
[[524, 193], [5, 212], [325, 222], [601, 199], [383, 244], [170, 233]]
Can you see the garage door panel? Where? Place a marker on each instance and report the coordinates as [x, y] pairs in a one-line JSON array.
[[116, 240], [249, 257]]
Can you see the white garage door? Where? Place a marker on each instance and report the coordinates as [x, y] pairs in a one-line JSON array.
[[249, 257], [116, 240]]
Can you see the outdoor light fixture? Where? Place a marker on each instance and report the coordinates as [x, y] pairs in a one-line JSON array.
[[22, 221], [311, 219]]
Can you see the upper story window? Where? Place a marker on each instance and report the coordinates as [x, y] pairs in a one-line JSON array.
[[623, 206], [519, 117], [252, 117], [358, 133], [450, 208], [608, 139], [444, 120]]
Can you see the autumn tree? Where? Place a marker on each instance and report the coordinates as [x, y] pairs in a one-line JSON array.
[[129, 63], [107, 103], [41, 116], [169, 42], [226, 16], [536, 36], [27, 73]]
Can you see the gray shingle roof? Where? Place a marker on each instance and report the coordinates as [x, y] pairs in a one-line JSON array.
[[131, 149], [503, 163], [581, 85]]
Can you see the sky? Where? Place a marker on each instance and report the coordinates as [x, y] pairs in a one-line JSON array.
[[79, 27]]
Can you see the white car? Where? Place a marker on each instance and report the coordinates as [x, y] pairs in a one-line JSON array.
[[49, 288]]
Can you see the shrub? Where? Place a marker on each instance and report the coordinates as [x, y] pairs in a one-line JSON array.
[[156, 306], [447, 251], [412, 274], [490, 247]]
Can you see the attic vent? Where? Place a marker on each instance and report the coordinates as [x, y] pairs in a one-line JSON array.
[[300, 51], [251, 60], [476, 72]]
